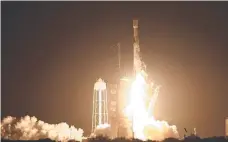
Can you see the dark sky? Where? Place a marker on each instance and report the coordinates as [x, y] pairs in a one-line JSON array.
[[53, 52]]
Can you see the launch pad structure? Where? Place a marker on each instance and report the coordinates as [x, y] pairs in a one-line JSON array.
[[100, 107]]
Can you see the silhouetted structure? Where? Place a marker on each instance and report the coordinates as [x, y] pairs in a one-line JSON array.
[[122, 139]]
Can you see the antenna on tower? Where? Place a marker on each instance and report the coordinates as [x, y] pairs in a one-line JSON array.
[[119, 57], [117, 50], [116, 47]]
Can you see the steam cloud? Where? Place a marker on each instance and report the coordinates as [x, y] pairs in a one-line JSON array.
[[29, 128], [102, 130], [160, 130]]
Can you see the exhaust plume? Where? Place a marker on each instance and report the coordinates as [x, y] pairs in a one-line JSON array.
[[30, 128], [145, 126]]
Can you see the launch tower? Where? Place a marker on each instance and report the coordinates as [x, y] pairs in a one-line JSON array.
[[100, 106], [125, 125], [113, 108]]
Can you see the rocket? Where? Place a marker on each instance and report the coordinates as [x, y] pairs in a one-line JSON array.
[[136, 50]]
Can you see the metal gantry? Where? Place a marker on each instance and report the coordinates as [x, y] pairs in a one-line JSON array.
[[100, 104]]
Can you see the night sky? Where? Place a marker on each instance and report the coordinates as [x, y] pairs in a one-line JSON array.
[[53, 52]]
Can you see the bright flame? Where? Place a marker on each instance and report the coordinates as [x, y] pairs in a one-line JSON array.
[[136, 110], [144, 125]]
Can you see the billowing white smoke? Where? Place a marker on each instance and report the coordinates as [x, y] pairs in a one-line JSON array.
[[102, 130], [29, 128], [160, 130]]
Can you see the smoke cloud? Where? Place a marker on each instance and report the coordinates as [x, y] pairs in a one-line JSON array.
[[30, 128], [102, 130], [160, 130]]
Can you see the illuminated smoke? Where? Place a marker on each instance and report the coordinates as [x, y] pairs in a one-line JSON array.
[[29, 128], [159, 130], [102, 130]]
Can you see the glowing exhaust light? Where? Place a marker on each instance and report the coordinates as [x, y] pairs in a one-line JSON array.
[[144, 125]]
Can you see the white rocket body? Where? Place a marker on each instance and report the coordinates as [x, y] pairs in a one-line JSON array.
[[136, 50]]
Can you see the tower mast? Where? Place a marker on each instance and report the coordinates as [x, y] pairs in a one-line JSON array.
[[119, 54], [119, 59]]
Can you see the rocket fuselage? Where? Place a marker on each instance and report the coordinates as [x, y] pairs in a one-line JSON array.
[[136, 49], [135, 27]]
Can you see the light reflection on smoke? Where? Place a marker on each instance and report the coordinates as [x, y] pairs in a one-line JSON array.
[[29, 128]]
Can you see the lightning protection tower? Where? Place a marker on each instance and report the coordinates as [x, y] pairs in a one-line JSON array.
[[100, 106]]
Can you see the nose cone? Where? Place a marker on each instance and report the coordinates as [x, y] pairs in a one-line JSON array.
[[135, 23]]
